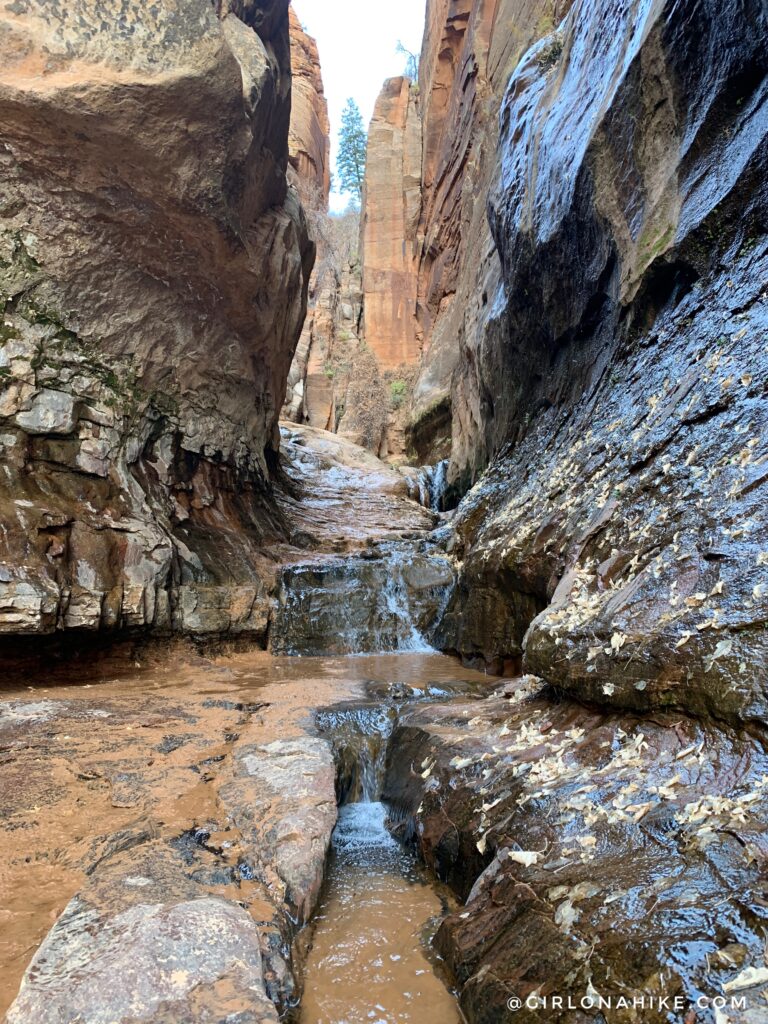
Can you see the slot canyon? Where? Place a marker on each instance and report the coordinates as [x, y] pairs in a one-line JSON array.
[[384, 596]]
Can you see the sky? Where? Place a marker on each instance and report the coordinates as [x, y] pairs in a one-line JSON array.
[[357, 40]]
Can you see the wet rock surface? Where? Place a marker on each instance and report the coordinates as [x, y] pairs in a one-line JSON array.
[[468, 53], [167, 827], [596, 853], [373, 578], [387, 600], [153, 273], [283, 802], [617, 542], [149, 945]]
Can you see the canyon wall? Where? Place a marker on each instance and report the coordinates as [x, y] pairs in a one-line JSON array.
[[359, 348], [618, 543], [390, 216], [309, 392], [309, 135], [469, 51], [154, 267]]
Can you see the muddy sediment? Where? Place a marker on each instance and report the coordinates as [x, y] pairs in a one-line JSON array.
[[196, 779]]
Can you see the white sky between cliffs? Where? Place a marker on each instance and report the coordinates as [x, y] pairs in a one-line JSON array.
[[357, 40]]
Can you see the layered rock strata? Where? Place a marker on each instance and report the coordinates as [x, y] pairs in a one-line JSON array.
[[390, 214], [309, 136], [619, 541], [608, 866], [154, 268]]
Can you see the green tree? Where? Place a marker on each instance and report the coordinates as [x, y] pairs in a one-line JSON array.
[[411, 61], [353, 140]]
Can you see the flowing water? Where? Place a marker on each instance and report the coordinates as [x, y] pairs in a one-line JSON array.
[[369, 958], [383, 600], [86, 754]]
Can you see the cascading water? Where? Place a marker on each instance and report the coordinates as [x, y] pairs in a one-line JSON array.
[[395, 606], [438, 485], [359, 735], [384, 600], [367, 960], [428, 485]]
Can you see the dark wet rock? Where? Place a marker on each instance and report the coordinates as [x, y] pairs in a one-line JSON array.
[[232, 705], [593, 851], [359, 605], [170, 743], [619, 538]]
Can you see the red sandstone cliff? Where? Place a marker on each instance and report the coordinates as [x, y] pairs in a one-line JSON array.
[[469, 52], [429, 263], [153, 275], [391, 207], [309, 141]]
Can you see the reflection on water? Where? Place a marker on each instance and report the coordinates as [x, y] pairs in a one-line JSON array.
[[368, 960], [413, 674]]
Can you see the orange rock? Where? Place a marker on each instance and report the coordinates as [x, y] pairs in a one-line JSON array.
[[391, 205], [309, 142]]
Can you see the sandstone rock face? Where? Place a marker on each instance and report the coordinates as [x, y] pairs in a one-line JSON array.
[[283, 801], [320, 372], [391, 206], [623, 367], [469, 51], [158, 961], [177, 893], [309, 138], [594, 854], [153, 269], [355, 363]]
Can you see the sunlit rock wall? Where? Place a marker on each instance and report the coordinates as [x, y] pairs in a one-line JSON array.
[[390, 214], [309, 137]]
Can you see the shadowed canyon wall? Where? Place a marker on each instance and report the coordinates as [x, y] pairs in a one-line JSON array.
[[618, 542], [428, 257], [154, 267], [469, 51]]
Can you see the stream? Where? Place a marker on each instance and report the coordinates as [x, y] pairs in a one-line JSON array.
[[370, 957], [89, 758], [213, 776]]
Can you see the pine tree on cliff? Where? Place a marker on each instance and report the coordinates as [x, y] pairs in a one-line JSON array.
[[353, 140]]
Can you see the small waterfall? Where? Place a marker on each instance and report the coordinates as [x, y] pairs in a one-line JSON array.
[[428, 485], [378, 602], [396, 607], [369, 957], [438, 485], [359, 735]]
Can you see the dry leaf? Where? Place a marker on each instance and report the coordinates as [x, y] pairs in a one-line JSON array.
[[749, 976]]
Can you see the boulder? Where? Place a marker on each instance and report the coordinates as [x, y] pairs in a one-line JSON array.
[[153, 275]]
